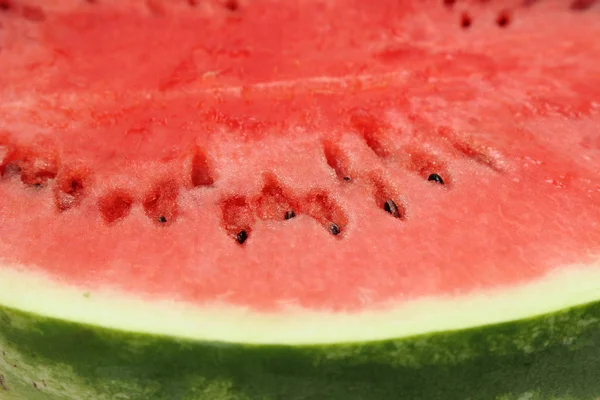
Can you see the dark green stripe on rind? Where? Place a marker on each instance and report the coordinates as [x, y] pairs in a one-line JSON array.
[[556, 356]]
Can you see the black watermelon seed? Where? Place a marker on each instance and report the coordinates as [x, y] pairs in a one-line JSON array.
[[334, 229], [346, 178], [290, 214], [391, 207], [162, 219], [242, 236], [436, 178]]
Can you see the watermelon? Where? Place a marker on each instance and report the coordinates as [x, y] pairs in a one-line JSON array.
[[268, 199]]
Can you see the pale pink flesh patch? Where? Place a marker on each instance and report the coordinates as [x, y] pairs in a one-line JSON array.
[[141, 178]]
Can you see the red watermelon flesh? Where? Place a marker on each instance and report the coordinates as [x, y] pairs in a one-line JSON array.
[[142, 141]]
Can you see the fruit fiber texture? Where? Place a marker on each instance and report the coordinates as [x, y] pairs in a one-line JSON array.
[[274, 199]]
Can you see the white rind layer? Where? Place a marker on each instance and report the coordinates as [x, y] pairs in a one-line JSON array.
[[565, 287]]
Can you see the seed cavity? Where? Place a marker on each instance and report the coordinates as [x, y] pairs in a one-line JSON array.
[[70, 187], [423, 162], [200, 171], [231, 5], [274, 201], [582, 5], [320, 206], [435, 178], [6, 5], [38, 168], [372, 131], [160, 203], [115, 206], [6, 153], [337, 160], [503, 19], [465, 20], [33, 13], [238, 216], [477, 152], [383, 194]]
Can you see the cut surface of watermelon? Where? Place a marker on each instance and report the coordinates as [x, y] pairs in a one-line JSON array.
[[386, 193]]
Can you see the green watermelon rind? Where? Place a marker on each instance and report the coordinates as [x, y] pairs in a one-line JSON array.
[[550, 357]]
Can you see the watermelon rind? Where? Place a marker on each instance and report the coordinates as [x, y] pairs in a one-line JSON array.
[[50, 352]]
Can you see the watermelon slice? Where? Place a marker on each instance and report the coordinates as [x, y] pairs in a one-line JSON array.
[[268, 199]]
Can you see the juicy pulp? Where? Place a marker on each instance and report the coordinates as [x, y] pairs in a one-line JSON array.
[[139, 139]]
